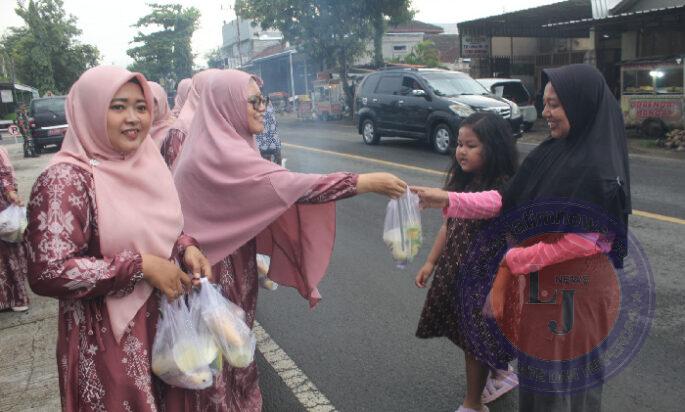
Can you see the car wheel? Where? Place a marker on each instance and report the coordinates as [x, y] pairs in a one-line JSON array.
[[653, 127], [369, 133], [441, 138]]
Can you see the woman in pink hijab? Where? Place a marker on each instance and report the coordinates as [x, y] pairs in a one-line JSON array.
[[237, 204], [104, 226], [12, 255], [178, 132], [181, 95], [161, 115]]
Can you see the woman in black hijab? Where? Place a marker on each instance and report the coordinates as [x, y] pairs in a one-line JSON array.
[[576, 187]]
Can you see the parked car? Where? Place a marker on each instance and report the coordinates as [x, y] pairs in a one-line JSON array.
[[426, 104], [48, 121], [514, 90]]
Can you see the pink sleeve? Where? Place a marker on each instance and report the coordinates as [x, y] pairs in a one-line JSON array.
[[332, 187], [478, 205], [523, 260]]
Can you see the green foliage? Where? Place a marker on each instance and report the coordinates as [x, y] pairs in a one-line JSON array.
[[165, 54], [424, 53], [45, 52], [214, 59], [379, 12]]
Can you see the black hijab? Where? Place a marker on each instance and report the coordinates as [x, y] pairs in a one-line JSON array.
[[590, 165]]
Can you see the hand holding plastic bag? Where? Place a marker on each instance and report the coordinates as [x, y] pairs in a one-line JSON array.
[[402, 231], [12, 223], [226, 322]]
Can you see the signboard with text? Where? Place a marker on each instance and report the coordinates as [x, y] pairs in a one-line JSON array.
[[475, 46], [6, 96]]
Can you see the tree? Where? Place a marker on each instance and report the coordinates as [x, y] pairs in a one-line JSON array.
[[379, 11], [331, 32], [165, 54], [215, 59], [424, 53], [45, 51]]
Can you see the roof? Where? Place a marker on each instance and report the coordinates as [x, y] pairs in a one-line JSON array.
[[636, 14], [415, 26], [533, 22], [447, 45], [269, 51]]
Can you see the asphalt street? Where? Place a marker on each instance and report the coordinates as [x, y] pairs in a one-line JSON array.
[[358, 345]]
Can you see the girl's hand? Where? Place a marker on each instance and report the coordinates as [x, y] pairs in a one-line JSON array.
[[165, 276], [431, 198], [14, 197], [197, 263], [424, 274], [382, 183]]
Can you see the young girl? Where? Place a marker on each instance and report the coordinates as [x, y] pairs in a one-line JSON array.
[[486, 157], [104, 222]]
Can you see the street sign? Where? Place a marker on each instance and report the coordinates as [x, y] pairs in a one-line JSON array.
[[14, 131]]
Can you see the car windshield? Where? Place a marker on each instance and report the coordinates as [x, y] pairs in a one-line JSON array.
[[453, 84], [49, 105]]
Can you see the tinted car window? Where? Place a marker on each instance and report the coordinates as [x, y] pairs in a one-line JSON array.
[[48, 105], [370, 84], [409, 83], [453, 84], [516, 92], [388, 85]]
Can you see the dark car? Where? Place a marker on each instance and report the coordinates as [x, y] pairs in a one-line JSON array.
[[424, 104], [48, 121]]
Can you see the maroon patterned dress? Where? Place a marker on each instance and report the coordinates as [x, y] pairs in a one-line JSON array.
[[171, 146], [237, 390], [95, 372], [13, 264]]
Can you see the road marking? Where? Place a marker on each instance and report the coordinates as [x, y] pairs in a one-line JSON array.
[[304, 390], [641, 213]]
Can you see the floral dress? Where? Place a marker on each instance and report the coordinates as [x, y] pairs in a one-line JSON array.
[[95, 372], [171, 147], [13, 264], [237, 390]]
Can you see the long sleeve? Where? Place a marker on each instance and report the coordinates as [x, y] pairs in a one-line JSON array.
[[182, 243], [172, 145], [63, 241], [332, 187], [478, 205], [522, 260]]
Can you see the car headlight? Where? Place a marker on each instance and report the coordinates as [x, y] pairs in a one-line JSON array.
[[515, 111], [461, 110]]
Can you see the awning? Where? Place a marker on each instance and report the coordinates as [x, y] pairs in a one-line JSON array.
[[628, 17]]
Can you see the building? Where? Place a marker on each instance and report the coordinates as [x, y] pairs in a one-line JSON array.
[[399, 40], [242, 41], [12, 93]]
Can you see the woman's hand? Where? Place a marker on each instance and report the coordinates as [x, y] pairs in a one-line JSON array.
[[382, 183], [197, 263], [431, 197], [14, 197], [424, 274], [165, 276]]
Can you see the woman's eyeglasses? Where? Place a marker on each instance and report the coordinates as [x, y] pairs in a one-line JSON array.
[[257, 100]]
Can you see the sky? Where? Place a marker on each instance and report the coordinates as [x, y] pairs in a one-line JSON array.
[[107, 23]]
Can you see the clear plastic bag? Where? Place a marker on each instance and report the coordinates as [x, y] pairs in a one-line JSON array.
[[402, 232], [12, 223], [182, 354], [226, 322]]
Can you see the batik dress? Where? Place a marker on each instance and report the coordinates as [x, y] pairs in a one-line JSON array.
[[13, 264], [95, 372], [237, 390], [171, 147]]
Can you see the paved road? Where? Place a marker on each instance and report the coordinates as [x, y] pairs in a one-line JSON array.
[[358, 346]]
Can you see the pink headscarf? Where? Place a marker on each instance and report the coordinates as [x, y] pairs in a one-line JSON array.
[[181, 95], [198, 84], [138, 208], [229, 194], [161, 116]]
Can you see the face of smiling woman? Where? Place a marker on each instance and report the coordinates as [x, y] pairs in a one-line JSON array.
[[128, 118], [554, 113], [255, 115]]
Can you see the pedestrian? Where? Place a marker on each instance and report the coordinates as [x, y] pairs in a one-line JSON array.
[[269, 141], [161, 115], [584, 161], [104, 222], [23, 123], [178, 132], [13, 266], [485, 158], [182, 90], [236, 203]]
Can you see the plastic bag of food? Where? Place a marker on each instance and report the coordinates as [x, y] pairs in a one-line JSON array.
[[226, 322], [12, 223], [263, 264], [182, 356], [402, 231]]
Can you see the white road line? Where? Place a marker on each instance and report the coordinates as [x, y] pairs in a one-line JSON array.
[[304, 390]]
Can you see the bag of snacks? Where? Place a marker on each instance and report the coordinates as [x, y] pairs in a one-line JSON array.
[[402, 230], [12, 223]]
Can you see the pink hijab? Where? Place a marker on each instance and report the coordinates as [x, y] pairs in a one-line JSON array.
[[161, 116], [140, 178], [181, 95], [229, 194], [198, 84]]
